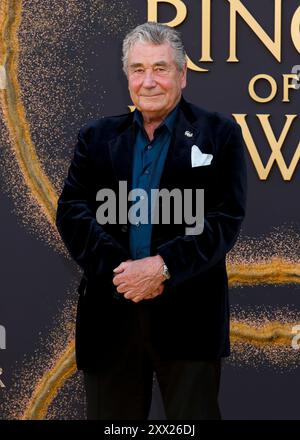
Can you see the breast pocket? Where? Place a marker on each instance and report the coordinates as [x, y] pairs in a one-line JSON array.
[[202, 176]]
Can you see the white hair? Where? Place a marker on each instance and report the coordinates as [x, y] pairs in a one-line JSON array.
[[155, 33]]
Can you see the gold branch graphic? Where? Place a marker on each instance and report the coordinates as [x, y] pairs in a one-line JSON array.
[[49, 385], [271, 333], [37, 182], [275, 271]]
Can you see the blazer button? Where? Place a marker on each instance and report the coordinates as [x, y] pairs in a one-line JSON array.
[[124, 228]]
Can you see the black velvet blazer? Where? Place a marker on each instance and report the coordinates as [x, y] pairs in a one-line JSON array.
[[190, 319]]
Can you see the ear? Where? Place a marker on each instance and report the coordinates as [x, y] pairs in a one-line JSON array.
[[183, 76]]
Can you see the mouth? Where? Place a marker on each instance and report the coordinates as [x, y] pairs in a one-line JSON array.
[[151, 96]]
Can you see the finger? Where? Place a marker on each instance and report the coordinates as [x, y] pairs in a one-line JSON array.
[[138, 298], [118, 279], [149, 296], [155, 293], [135, 297], [119, 269], [161, 288], [130, 294], [121, 288], [121, 266]]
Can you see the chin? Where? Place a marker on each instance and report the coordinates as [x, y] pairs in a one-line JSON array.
[[151, 103], [151, 107]]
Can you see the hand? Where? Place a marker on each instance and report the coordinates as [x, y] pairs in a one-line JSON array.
[[140, 279], [153, 295]]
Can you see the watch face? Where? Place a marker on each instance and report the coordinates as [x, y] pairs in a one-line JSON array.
[[166, 272]]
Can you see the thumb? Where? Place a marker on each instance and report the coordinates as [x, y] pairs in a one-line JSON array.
[[120, 268]]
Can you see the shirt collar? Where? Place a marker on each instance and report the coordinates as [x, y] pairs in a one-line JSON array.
[[169, 121]]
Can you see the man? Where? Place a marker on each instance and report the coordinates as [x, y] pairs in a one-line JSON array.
[[154, 298]]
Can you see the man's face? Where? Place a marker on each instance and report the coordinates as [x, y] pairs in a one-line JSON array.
[[154, 81]]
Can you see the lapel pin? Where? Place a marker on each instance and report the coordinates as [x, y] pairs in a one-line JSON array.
[[188, 134]]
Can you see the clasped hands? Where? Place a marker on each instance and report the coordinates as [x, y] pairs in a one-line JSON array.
[[140, 279]]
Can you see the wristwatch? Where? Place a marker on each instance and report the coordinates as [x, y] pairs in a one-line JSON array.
[[166, 272]]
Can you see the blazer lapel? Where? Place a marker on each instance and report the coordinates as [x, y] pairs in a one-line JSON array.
[[121, 152], [179, 153]]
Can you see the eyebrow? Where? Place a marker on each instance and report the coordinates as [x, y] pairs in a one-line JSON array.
[[158, 63]]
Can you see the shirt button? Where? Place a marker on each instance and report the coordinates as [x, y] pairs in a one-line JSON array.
[[149, 147], [146, 172], [137, 224]]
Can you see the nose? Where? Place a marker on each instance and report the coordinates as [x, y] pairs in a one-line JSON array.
[[149, 80]]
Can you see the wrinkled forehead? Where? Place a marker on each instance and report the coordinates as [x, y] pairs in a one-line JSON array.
[[147, 53]]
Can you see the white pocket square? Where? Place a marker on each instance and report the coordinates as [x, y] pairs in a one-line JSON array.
[[198, 158]]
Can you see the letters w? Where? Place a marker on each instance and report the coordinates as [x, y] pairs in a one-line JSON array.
[[275, 146]]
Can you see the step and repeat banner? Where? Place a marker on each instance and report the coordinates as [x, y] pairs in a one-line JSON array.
[[60, 66]]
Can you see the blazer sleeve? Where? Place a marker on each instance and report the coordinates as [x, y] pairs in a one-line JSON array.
[[189, 255], [96, 251]]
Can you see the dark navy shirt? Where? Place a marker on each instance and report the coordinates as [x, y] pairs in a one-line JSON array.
[[148, 163]]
